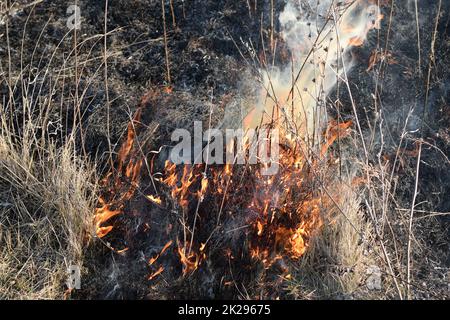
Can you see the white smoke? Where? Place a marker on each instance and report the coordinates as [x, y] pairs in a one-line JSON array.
[[319, 35]]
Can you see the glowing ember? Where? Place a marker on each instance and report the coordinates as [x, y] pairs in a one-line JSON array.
[[154, 199]]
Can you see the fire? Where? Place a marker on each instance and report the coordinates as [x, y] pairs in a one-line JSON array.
[[284, 222], [190, 260], [260, 228], [298, 243], [355, 41], [281, 213], [204, 186], [122, 184], [154, 199], [151, 261], [102, 215], [156, 273]]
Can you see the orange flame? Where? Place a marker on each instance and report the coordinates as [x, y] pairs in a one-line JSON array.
[[167, 246], [125, 189], [283, 222], [190, 260], [154, 199], [156, 273]]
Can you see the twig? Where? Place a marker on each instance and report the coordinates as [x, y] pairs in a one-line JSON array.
[[411, 216], [418, 36], [168, 78], [108, 105], [408, 267], [172, 11]]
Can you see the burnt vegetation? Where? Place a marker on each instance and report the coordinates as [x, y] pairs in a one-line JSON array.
[[86, 117]]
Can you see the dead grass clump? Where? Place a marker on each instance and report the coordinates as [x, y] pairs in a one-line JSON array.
[[46, 202], [335, 265]]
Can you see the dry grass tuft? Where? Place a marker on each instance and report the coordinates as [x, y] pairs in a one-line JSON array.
[[47, 196], [335, 266], [47, 190]]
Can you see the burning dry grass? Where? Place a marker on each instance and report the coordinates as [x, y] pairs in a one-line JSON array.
[[317, 241], [336, 264], [280, 228]]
